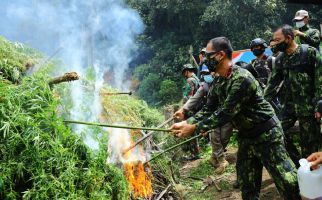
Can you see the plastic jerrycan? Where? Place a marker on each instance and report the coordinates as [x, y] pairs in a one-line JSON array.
[[310, 182]]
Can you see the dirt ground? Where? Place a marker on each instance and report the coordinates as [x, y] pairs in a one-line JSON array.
[[194, 187]]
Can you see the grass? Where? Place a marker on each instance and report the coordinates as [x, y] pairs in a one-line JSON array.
[[40, 157]]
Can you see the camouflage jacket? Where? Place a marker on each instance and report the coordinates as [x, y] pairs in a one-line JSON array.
[[311, 37], [262, 68], [303, 84], [238, 99], [190, 88]]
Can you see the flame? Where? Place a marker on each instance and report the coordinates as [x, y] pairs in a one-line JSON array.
[[138, 179], [136, 175]]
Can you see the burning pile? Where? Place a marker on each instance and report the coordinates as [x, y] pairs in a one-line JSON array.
[[137, 174]]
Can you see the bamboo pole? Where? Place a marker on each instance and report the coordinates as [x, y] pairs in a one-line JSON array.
[[173, 147], [147, 135], [69, 76], [115, 126], [116, 93]]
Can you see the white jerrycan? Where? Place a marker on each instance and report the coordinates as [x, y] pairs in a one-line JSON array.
[[310, 182]]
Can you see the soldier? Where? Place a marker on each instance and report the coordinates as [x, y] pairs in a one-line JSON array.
[[196, 102], [300, 68], [305, 34], [201, 61], [239, 99], [189, 90], [192, 82], [260, 63], [219, 137]]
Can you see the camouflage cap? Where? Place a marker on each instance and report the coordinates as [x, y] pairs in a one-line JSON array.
[[188, 67], [300, 14], [203, 50]]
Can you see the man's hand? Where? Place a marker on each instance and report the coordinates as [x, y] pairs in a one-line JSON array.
[[179, 114], [298, 33], [183, 129], [315, 159], [318, 116]]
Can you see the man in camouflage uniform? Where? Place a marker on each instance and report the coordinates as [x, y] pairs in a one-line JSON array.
[[192, 82], [189, 90], [305, 34], [239, 99], [301, 69], [219, 137], [260, 63]]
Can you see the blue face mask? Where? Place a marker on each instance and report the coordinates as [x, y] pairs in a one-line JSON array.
[[208, 78]]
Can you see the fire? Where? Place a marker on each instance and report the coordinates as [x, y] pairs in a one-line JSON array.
[[138, 179], [136, 175]]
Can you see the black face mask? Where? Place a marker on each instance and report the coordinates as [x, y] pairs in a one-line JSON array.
[[211, 64], [258, 52], [282, 46], [274, 50]]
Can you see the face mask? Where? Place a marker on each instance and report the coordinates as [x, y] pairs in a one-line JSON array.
[[211, 64], [274, 50], [208, 78], [258, 52], [282, 46], [299, 24]]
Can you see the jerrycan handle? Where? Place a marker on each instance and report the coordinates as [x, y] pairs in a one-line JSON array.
[[306, 165]]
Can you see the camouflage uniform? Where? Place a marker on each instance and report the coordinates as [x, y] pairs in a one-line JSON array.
[[190, 87], [219, 137], [311, 37], [189, 91], [262, 68], [304, 88], [241, 102]]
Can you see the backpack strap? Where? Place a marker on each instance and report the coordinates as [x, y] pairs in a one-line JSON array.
[[304, 54], [273, 62]]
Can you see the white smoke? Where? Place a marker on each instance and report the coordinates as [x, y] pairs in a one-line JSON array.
[[119, 141], [94, 34]]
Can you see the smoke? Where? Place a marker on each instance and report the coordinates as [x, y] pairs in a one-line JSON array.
[[119, 141], [96, 36]]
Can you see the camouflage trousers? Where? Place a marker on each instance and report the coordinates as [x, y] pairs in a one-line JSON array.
[[266, 150], [300, 144], [219, 138]]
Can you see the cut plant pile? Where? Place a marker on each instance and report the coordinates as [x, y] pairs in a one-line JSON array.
[[40, 158]]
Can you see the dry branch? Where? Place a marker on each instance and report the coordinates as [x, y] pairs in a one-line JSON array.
[[67, 77]]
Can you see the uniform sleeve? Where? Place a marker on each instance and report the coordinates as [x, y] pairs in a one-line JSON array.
[[312, 37], [192, 88], [273, 82], [316, 58], [194, 100], [186, 90], [251, 68], [242, 89]]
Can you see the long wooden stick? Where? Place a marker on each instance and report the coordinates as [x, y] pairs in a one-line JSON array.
[[173, 147], [116, 126], [116, 93], [147, 135], [69, 76]]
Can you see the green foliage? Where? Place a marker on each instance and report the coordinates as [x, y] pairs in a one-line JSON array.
[[173, 25], [13, 58], [168, 90], [41, 158], [128, 109]]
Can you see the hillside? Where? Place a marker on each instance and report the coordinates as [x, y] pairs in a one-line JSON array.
[[41, 158]]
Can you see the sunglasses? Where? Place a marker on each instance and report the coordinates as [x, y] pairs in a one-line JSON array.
[[208, 54]]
